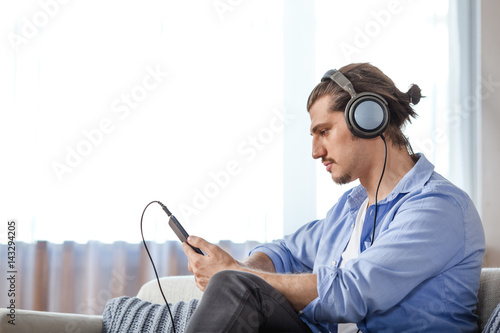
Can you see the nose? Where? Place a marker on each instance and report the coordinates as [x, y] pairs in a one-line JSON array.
[[318, 149]]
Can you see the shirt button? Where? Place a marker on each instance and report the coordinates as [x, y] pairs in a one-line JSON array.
[[334, 263], [352, 226]]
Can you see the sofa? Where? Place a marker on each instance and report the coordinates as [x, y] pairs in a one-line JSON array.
[[179, 288]]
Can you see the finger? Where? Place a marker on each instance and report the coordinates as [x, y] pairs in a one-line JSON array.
[[202, 283], [186, 248], [199, 285], [200, 243], [189, 251], [190, 254], [197, 241]]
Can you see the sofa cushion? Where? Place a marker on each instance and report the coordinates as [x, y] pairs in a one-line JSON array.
[[176, 288]]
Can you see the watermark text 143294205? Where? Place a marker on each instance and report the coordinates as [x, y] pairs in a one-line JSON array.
[[11, 270]]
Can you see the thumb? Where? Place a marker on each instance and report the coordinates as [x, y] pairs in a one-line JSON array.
[[196, 241], [199, 243]]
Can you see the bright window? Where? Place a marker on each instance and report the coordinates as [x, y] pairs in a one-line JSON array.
[[110, 105]]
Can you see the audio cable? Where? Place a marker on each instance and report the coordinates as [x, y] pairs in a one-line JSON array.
[[151, 258], [376, 192], [376, 195]]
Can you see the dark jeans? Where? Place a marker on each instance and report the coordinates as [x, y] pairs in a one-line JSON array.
[[243, 302]]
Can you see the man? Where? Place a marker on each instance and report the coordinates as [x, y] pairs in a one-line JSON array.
[[416, 271]]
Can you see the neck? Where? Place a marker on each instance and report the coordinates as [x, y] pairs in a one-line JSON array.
[[399, 163]]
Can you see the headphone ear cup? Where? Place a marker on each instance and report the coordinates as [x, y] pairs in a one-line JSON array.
[[367, 115]]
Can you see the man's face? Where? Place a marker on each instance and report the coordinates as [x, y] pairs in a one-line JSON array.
[[340, 151]]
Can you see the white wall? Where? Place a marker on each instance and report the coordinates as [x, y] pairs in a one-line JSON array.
[[490, 132]]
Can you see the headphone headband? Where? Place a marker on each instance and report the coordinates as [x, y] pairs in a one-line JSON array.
[[339, 79]]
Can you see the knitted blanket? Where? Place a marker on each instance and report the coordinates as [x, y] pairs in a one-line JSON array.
[[493, 324], [132, 315]]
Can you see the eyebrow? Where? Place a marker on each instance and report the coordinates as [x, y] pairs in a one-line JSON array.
[[317, 126]]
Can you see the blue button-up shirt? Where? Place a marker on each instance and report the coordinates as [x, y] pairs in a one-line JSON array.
[[420, 275]]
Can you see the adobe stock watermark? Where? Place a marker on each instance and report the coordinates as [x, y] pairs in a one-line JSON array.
[[364, 35], [30, 26], [121, 106], [222, 7], [460, 110], [247, 151]]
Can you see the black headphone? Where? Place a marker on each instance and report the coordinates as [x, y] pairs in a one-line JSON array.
[[366, 114]]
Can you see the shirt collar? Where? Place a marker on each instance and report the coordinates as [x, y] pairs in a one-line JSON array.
[[416, 178]]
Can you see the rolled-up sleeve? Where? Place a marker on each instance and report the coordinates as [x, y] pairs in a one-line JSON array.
[[297, 252]]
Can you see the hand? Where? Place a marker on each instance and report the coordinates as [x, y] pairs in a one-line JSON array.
[[204, 267]]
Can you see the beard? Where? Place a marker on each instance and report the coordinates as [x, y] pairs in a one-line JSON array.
[[342, 180]]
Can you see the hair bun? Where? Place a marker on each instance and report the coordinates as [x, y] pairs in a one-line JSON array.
[[414, 94]]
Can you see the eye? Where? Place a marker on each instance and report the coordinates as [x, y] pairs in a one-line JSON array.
[[323, 132]]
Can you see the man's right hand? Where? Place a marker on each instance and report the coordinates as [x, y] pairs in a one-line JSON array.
[[204, 267]]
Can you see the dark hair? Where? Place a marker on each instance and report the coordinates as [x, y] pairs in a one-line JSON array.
[[368, 78]]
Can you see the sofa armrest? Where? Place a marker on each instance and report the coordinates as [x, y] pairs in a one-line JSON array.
[[175, 288], [489, 294], [27, 321]]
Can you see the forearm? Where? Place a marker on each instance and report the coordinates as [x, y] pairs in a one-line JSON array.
[[298, 289]]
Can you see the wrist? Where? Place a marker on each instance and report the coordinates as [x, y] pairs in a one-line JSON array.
[[240, 265]]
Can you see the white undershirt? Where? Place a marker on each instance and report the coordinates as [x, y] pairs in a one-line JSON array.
[[352, 252]]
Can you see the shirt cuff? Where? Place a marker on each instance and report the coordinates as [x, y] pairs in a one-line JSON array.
[[307, 313], [326, 275]]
